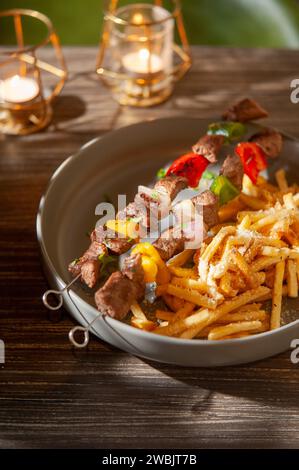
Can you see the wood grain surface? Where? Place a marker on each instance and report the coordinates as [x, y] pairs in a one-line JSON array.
[[53, 396]]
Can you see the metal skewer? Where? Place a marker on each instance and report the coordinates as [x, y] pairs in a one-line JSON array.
[[83, 329], [59, 295]]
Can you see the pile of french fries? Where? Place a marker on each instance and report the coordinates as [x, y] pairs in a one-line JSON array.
[[251, 257]]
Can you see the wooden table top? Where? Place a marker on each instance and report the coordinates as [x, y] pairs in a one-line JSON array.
[[53, 396]]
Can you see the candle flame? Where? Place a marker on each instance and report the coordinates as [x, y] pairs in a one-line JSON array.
[[137, 18], [15, 80], [144, 54]]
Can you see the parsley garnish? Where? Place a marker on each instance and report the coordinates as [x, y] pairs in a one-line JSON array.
[[73, 263], [161, 173], [107, 262]]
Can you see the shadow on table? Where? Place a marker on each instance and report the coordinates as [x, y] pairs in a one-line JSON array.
[[67, 107], [269, 381]]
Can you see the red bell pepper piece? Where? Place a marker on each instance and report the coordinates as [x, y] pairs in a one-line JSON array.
[[191, 166], [253, 158]]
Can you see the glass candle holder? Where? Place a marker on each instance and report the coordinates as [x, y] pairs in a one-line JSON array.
[[31, 76], [138, 57]]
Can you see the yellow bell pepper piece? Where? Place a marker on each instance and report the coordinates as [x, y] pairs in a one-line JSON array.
[[145, 248], [128, 228], [150, 268]]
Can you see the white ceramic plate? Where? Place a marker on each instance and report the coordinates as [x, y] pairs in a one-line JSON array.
[[116, 164]]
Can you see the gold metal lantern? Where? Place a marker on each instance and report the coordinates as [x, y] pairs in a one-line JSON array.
[[31, 76], [139, 58]]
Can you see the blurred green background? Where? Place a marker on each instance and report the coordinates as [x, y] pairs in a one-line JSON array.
[[268, 23]]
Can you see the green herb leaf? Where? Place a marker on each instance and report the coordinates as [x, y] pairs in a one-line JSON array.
[[134, 219], [161, 173], [73, 263], [108, 263], [231, 130], [155, 195]]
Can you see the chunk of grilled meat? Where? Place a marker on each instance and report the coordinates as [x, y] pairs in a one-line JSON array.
[[209, 203], [122, 289], [209, 146], [117, 245], [245, 110], [133, 270], [152, 204], [90, 272], [116, 296], [233, 169], [172, 185], [129, 212], [270, 141], [89, 265], [172, 241]]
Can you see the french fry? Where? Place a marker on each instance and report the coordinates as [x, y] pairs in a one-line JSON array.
[[281, 227], [252, 307], [216, 228], [254, 216], [139, 319], [245, 222], [264, 327], [161, 290], [180, 259], [272, 241], [196, 324], [292, 281], [263, 183], [253, 202], [183, 272], [164, 315], [264, 262], [233, 328], [291, 237], [281, 180], [289, 202], [191, 284], [174, 303], [184, 312], [244, 316], [242, 334], [225, 286], [243, 266], [203, 334], [223, 264], [277, 295], [215, 243], [268, 220], [229, 211], [200, 317], [282, 252], [143, 324], [137, 311], [191, 296], [267, 196]]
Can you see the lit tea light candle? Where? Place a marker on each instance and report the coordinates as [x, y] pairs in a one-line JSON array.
[[142, 62], [18, 89]]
